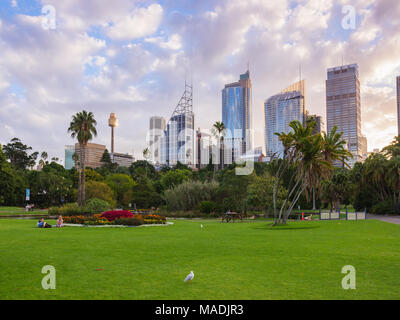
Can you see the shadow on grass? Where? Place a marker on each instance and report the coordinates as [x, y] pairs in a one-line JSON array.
[[270, 227]]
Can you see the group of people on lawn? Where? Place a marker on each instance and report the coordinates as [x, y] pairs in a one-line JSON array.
[[43, 224]]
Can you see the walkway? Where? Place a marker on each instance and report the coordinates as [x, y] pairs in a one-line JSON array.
[[391, 219]]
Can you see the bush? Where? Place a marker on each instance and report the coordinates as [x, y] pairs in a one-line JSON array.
[[116, 214], [384, 207], [97, 205], [53, 211], [208, 207], [135, 220], [188, 195], [70, 209]]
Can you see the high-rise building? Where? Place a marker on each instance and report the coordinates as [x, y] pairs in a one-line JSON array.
[[317, 119], [280, 110], [343, 107], [123, 159], [364, 147], [236, 115], [177, 143], [69, 160], [204, 149], [398, 104], [157, 128], [93, 154]]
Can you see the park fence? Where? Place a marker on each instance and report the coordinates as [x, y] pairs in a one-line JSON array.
[[336, 215]]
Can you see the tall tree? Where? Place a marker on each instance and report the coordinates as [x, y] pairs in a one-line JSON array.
[[218, 130], [17, 153], [82, 127]]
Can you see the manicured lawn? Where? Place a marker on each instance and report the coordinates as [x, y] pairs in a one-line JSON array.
[[19, 210], [230, 261]]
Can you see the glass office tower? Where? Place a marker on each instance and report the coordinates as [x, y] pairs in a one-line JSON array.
[[177, 142], [236, 115], [68, 160], [279, 111], [343, 107]]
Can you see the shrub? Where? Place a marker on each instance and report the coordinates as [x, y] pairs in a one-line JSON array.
[[97, 205], [53, 211], [208, 206], [116, 214], [188, 195], [135, 220], [69, 209], [384, 207]]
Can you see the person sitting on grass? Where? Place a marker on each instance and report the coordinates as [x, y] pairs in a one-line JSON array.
[[60, 222], [43, 224]]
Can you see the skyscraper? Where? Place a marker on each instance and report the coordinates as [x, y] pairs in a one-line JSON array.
[[69, 160], [343, 107], [177, 143], [236, 114], [280, 110], [317, 119], [157, 128], [398, 104]]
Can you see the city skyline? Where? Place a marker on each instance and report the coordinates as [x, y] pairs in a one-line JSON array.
[[95, 60]]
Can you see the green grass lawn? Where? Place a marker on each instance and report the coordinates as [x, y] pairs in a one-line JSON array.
[[20, 210], [248, 260]]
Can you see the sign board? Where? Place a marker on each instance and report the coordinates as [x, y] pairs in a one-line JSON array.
[[27, 194]]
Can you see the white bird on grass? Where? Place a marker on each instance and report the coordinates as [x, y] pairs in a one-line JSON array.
[[189, 277]]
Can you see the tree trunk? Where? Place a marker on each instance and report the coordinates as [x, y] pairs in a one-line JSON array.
[[83, 179], [313, 195]]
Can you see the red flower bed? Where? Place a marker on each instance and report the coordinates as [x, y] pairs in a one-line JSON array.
[[116, 214]]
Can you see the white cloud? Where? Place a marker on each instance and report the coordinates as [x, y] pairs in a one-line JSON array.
[[140, 23]]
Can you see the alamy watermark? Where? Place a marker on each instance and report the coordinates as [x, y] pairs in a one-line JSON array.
[[49, 280], [349, 19], [349, 280], [49, 17]]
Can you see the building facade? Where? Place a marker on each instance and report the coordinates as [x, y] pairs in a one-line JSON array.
[[123, 159], [177, 142], [236, 115], [69, 162], [279, 111], [398, 104], [343, 107], [318, 121], [203, 149], [157, 129], [93, 154]]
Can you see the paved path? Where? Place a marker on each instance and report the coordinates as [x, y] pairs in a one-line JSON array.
[[391, 219]]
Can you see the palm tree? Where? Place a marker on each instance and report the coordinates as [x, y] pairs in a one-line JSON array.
[[333, 147], [83, 127], [218, 129], [311, 157]]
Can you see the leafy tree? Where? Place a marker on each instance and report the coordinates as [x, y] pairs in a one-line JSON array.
[[17, 153], [392, 150], [260, 193], [174, 178], [82, 127], [122, 185], [100, 190]]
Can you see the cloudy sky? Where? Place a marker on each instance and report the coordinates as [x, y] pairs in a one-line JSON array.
[[131, 57]]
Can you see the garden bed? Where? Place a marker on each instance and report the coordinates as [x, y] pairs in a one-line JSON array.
[[117, 225], [115, 218]]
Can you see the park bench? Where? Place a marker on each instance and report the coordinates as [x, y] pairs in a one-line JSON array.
[[231, 216]]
